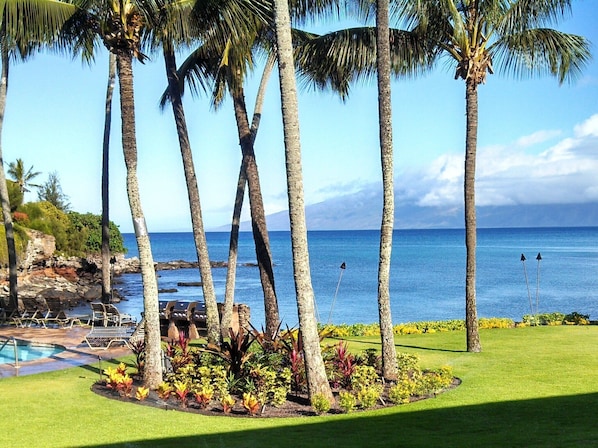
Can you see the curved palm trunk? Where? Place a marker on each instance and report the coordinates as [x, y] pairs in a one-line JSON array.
[[106, 271], [4, 199], [314, 365], [199, 235], [227, 308], [258, 215], [389, 355], [152, 374], [471, 317], [233, 251]]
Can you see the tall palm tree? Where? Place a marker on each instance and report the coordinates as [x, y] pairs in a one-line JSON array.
[[106, 262], [389, 354], [336, 60], [478, 35], [22, 176], [24, 26], [119, 24], [230, 17], [314, 365]]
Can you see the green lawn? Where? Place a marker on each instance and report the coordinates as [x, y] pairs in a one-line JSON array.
[[529, 387]]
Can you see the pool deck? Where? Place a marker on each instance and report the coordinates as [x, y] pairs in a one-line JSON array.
[[76, 353]]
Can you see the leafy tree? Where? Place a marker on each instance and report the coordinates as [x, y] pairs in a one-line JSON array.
[[22, 176], [51, 192], [47, 218], [15, 195], [478, 35], [91, 225]]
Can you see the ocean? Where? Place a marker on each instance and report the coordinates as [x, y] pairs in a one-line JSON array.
[[427, 273]]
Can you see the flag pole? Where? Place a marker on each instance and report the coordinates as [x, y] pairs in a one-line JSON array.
[[343, 267], [531, 308]]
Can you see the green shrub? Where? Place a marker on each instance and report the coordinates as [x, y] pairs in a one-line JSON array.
[[402, 391], [576, 318], [320, 404], [368, 396], [347, 401]]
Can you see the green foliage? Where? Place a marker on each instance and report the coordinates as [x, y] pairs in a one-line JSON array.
[[368, 396], [363, 377], [89, 227], [347, 401], [15, 195], [434, 381], [402, 390], [21, 240], [486, 323], [576, 318], [320, 404], [75, 233], [51, 192]]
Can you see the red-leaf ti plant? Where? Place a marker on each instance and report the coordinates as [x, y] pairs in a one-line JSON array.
[[344, 363]]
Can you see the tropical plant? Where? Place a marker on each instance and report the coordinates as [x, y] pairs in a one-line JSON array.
[[479, 35], [22, 176]]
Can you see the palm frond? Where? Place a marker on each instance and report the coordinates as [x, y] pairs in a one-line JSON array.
[[336, 59], [543, 51]]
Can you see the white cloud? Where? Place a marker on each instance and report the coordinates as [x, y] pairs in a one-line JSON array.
[[565, 172], [587, 128], [537, 137]]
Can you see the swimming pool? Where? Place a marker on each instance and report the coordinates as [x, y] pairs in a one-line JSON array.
[[27, 351]]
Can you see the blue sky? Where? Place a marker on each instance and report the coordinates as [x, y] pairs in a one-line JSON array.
[[537, 143]]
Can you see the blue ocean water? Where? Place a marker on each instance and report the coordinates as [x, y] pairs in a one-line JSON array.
[[427, 273]]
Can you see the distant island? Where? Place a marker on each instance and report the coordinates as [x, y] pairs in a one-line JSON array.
[[362, 211]]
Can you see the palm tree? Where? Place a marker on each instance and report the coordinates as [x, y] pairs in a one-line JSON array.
[[25, 26], [389, 354], [337, 59], [314, 365], [478, 35], [106, 269], [21, 176], [224, 66], [119, 24], [230, 17]]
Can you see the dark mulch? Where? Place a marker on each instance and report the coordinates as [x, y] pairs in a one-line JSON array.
[[295, 406]]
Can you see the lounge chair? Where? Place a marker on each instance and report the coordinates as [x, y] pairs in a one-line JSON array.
[[101, 338], [58, 314], [33, 312], [115, 317], [105, 314]]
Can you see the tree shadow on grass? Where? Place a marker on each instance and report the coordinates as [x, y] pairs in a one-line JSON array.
[[417, 347], [566, 421]]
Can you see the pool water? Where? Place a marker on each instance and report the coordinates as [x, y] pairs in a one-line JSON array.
[[26, 351]]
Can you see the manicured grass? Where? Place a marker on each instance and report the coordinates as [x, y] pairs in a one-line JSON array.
[[529, 387]]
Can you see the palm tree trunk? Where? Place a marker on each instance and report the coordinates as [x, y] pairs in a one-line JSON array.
[[4, 199], [471, 317], [258, 215], [233, 251], [314, 365], [199, 235], [389, 355], [227, 308], [106, 271], [152, 374]]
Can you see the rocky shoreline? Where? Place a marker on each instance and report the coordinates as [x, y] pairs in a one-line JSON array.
[[74, 280], [77, 280]]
